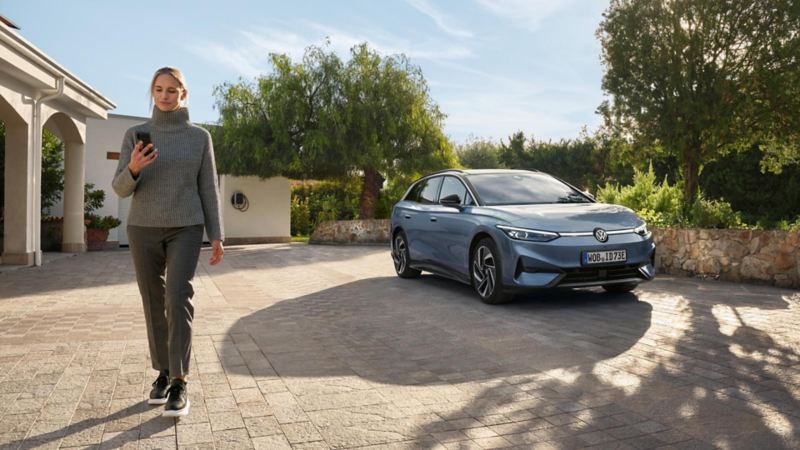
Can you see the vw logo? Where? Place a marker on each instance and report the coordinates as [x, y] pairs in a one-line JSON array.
[[600, 234]]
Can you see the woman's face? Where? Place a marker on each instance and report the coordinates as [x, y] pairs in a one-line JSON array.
[[167, 93]]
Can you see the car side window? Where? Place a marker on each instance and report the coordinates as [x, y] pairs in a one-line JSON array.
[[428, 194], [413, 194], [453, 186]]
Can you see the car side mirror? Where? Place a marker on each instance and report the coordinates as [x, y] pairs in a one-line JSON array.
[[452, 200]]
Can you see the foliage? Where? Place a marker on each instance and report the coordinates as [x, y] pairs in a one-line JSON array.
[[706, 213], [324, 118], [479, 154], [317, 201], [102, 223], [93, 199], [52, 169], [697, 79], [658, 203], [760, 195], [661, 204], [786, 225], [300, 217], [584, 162]]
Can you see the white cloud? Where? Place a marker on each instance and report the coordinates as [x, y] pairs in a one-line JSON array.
[[442, 21], [248, 54], [388, 44], [528, 13]]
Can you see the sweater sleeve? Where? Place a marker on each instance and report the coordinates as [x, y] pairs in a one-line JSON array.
[[123, 183], [209, 194]]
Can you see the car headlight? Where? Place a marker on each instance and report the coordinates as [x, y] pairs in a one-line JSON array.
[[642, 230], [526, 234]]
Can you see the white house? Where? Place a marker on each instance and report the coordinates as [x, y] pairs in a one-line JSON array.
[[36, 93]]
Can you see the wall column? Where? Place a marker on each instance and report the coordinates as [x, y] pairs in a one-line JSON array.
[[74, 176], [19, 242]]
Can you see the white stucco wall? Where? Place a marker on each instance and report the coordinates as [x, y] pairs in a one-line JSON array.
[[267, 218]]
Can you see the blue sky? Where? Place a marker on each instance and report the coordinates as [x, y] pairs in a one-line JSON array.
[[493, 66]]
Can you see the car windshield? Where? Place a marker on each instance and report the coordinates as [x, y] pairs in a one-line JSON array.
[[523, 189]]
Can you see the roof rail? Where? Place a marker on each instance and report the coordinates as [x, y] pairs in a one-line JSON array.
[[443, 171]]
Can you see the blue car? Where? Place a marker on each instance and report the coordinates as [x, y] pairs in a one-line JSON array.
[[510, 231]]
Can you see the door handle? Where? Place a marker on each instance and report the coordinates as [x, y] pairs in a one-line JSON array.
[[407, 216], [434, 219]]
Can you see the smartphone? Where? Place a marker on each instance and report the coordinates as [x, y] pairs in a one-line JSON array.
[[145, 138]]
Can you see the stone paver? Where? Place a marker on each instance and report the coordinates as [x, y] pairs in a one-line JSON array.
[[318, 347]]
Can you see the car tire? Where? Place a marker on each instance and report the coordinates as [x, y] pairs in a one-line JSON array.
[[487, 273], [402, 257], [620, 288]]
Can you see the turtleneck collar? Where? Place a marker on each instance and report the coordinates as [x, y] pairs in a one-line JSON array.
[[170, 120]]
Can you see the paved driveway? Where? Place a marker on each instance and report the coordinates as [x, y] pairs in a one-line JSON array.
[[311, 347]]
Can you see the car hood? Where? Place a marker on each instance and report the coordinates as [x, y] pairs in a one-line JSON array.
[[565, 217]]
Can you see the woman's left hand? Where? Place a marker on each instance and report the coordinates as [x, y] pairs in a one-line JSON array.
[[217, 252]]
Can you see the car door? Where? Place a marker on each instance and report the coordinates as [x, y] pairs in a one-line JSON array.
[[452, 229], [417, 224]]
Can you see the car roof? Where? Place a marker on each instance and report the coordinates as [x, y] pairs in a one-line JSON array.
[[477, 171]]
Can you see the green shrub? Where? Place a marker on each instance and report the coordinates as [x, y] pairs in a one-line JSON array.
[[658, 204], [324, 200], [661, 205], [785, 225], [706, 213], [102, 223], [300, 219]]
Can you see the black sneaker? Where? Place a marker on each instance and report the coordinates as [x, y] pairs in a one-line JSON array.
[[158, 395], [177, 401]]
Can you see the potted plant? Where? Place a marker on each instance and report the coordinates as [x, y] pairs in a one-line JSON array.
[[96, 226], [97, 230]]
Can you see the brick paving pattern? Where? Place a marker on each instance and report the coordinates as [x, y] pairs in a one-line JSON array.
[[319, 347]]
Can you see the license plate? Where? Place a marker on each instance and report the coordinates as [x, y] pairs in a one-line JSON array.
[[605, 257]]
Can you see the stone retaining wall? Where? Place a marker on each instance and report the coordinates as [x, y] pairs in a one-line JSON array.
[[351, 232], [770, 257]]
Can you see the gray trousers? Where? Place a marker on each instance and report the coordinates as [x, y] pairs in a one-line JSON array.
[[167, 300]]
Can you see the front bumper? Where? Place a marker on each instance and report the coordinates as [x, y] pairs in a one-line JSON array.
[[558, 263]]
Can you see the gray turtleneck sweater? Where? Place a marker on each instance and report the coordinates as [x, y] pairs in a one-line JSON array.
[[180, 187]]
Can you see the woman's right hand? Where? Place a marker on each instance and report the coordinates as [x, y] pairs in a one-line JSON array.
[[138, 158]]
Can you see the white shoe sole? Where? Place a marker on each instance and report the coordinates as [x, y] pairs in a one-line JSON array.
[[177, 412], [157, 401]]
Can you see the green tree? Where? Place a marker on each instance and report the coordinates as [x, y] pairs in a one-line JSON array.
[[52, 170], [323, 118], [512, 155], [479, 154], [700, 78]]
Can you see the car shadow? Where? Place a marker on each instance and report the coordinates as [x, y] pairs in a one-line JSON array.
[[430, 332]]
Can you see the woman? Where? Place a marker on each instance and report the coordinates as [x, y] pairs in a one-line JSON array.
[[173, 181]]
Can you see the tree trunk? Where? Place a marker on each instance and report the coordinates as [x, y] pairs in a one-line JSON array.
[[373, 181], [691, 175]]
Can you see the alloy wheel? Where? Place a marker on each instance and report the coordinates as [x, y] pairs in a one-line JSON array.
[[484, 271], [399, 254]]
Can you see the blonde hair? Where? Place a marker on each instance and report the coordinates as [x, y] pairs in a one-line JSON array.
[[174, 73]]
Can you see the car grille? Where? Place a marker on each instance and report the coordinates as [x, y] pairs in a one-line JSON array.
[[592, 274]]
